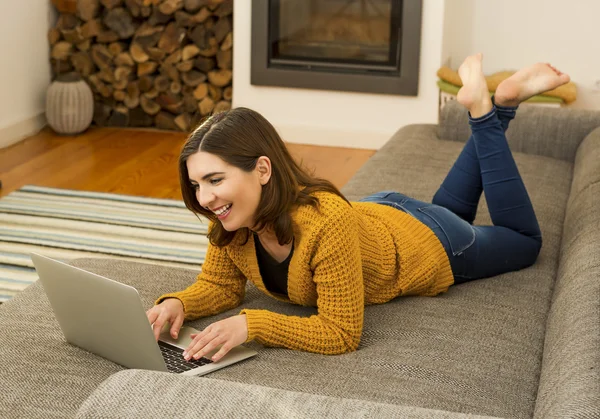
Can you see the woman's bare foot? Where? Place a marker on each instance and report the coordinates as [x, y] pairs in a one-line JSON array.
[[474, 94], [528, 82]]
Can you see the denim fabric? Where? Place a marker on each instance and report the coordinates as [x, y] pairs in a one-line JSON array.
[[485, 163]]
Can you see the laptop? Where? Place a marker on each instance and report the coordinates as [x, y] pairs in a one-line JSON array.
[[107, 318]]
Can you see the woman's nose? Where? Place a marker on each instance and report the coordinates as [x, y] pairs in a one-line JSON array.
[[204, 198]]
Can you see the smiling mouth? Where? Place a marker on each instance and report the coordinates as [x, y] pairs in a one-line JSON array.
[[223, 211]]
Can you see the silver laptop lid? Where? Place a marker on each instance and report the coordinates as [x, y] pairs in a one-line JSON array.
[[100, 315]]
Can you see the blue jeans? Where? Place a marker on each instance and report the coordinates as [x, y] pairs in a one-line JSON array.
[[485, 164]]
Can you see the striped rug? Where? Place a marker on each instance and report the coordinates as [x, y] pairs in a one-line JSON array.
[[66, 224]]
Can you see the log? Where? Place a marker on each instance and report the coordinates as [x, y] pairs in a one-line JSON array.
[[148, 36], [225, 59], [138, 53], [185, 66], [156, 54], [151, 94], [220, 78], [193, 5], [158, 18], [168, 7], [162, 83], [145, 83], [204, 64], [119, 20], [87, 9], [148, 105], [101, 112], [215, 93], [119, 95], [201, 91], [190, 104], [139, 118], [105, 37], [121, 77], [115, 48], [53, 36], [61, 50], [134, 7], [222, 28], [212, 50], [170, 71], [183, 121], [165, 120], [201, 16], [124, 59], [171, 38], [228, 93], [91, 29], [173, 59], [175, 87], [60, 67], [82, 63], [111, 4], [146, 68], [132, 96], [222, 106], [119, 117], [73, 36], [189, 52], [227, 43], [67, 21], [85, 45], [101, 56], [106, 75], [225, 9], [200, 36], [151, 2], [170, 102], [206, 106], [193, 78]]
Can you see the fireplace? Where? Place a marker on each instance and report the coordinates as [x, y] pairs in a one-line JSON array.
[[350, 45]]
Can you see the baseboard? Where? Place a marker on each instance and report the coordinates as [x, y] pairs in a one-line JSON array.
[[16, 132], [332, 137]]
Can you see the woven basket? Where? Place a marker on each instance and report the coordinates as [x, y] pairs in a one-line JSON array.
[[69, 104]]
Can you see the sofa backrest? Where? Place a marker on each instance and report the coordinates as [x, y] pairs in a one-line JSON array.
[[550, 132]]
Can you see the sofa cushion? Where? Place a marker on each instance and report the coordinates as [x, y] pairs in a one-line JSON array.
[[144, 394]]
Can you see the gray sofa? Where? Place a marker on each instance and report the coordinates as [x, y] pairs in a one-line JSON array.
[[519, 345]]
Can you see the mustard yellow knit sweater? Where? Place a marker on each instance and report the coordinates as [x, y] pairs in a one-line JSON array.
[[344, 258]]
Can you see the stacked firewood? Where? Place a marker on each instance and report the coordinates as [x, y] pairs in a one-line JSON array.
[[159, 63]]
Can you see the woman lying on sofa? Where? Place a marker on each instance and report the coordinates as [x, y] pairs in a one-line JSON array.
[[300, 241]]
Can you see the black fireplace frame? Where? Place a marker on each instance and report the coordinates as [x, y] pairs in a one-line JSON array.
[[398, 81]]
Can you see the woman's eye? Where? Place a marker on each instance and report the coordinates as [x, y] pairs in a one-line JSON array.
[[215, 181], [195, 186]]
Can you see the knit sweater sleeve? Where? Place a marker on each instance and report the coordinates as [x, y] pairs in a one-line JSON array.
[[219, 287], [337, 327]]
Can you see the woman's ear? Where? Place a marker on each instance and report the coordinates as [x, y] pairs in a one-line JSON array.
[[263, 169]]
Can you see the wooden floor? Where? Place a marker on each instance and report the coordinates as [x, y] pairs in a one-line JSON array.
[[135, 162]]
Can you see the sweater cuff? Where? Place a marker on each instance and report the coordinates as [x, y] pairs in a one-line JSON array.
[[172, 295], [258, 322]]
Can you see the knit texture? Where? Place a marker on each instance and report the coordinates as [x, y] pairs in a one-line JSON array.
[[345, 256]]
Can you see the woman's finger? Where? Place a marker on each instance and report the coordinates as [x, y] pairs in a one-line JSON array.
[[210, 346], [197, 344], [222, 352]]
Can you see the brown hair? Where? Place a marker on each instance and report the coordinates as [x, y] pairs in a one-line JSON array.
[[239, 137]]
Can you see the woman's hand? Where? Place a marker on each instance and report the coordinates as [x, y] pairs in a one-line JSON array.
[[230, 333], [169, 311]]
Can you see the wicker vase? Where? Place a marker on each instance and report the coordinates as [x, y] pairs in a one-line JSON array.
[[69, 104]]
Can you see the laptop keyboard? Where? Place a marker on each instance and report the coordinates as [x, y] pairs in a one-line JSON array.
[[176, 362]]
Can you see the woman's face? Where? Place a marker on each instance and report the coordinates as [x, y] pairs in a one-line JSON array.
[[229, 192]]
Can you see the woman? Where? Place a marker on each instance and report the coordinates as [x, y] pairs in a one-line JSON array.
[[300, 241]]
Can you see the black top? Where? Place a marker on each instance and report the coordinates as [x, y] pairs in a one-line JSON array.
[[274, 274]]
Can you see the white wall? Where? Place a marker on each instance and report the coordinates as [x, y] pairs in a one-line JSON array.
[[340, 118], [515, 33], [25, 69]]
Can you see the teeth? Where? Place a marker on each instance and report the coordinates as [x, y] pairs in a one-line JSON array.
[[223, 210]]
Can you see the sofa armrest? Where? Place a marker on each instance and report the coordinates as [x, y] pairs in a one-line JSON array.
[[144, 394], [550, 132], [570, 373]]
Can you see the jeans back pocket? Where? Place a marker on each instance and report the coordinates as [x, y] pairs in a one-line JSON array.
[[459, 233]]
